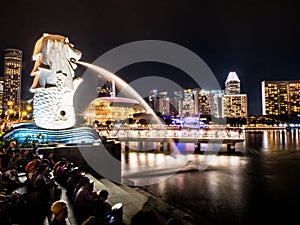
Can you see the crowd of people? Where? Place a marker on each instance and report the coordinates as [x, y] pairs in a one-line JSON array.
[[88, 205], [42, 199], [39, 189]]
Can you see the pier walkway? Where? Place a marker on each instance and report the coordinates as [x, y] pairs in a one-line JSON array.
[[221, 135]]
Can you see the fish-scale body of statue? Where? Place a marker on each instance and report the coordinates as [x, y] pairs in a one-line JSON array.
[[54, 84]]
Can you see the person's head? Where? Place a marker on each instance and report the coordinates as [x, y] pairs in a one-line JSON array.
[[17, 151], [10, 152], [45, 161], [59, 209], [43, 168], [144, 217], [26, 153], [85, 182], [103, 195], [12, 144]]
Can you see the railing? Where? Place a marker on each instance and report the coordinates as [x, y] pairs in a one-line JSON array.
[[127, 133]]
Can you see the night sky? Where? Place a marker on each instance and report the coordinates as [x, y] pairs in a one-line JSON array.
[[260, 40]]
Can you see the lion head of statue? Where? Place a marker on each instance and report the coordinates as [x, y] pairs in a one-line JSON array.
[[53, 54]]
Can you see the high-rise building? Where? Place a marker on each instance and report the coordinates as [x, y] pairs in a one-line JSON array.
[[176, 103], [159, 102], [188, 103], [216, 102], [281, 97], [164, 106], [232, 84], [12, 80], [152, 99], [234, 106], [204, 101]]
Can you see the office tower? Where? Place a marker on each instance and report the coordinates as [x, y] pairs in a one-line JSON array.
[[196, 92], [216, 103], [12, 80], [234, 106], [152, 99], [163, 103], [204, 101], [232, 84], [281, 97], [176, 103], [188, 103], [159, 102]]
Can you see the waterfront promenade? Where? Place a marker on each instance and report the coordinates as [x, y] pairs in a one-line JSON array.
[[132, 199]]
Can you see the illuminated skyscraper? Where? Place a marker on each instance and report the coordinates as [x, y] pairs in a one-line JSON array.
[[164, 103], [204, 102], [159, 102], [234, 104], [281, 97], [177, 102], [232, 84], [152, 99], [210, 102], [188, 103], [12, 79]]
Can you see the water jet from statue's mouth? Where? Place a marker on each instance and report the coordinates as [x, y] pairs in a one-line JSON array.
[[73, 60]]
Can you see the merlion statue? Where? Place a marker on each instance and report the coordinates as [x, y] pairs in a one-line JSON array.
[[54, 84]]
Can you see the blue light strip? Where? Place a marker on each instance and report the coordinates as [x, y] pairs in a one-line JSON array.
[[29, 131]]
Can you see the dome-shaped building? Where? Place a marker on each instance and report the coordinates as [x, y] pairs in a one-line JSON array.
[[112, 109]]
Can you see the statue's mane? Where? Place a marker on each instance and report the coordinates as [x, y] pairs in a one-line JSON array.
[[52, 55]]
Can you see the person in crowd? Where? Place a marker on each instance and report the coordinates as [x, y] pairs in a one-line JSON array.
[[33, 164], [19, 161], [60, 211], [32, 173], [84, 200], [74, 177], [80, 183], [101, 199], [51, 160], [101, 208], [40, 194], [6, 160], [30, 163]]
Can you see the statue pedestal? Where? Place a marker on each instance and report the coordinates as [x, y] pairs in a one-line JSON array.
[[29, 133]]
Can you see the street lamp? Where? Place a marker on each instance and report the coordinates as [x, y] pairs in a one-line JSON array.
[[23, 115], [10, 110]]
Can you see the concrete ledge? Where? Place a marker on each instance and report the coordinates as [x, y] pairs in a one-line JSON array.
[[134, 199]]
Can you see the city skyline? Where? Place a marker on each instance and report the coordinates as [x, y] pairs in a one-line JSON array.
[[257, 40]]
